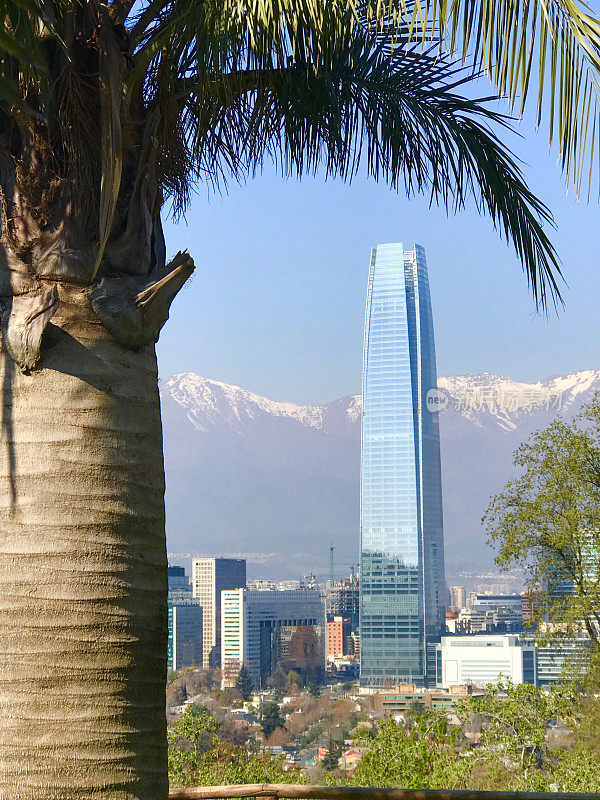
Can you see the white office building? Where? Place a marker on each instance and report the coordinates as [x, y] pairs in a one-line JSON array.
[[209, 577], [264, 629], [513, 601], [483, 659]]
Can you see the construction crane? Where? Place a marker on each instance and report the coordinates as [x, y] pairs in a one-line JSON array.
[[352, 584]]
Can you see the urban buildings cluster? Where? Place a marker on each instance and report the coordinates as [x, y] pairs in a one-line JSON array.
[[220, 620], [395, 624]]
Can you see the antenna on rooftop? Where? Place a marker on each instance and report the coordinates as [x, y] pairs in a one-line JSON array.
[[331, 563]]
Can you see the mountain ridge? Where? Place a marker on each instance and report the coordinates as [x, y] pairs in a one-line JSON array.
[[246, 473]]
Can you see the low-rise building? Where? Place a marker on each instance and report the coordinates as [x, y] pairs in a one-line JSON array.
[[407, 696], [484, 658], [350, 759]]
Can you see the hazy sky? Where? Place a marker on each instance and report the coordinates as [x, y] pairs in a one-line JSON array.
[[277, 301]]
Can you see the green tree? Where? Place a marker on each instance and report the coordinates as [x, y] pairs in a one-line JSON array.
[[229, 696], [197, 756], [270, 718], [422, 757], [514, 732], [577, 771], [314, 688], [278, 681], [197, 728], [107, 111], [331, 759], [547, 521], [293, 678], [244, 682]]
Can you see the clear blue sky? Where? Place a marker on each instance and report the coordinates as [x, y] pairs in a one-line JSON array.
[[277, 301]]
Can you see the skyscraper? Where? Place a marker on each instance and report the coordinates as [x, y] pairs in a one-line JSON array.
[[185, 622], [267, 629], [458, 597], [403, 591], [210, 576]]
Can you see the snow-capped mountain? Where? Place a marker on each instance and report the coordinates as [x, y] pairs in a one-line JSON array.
[[212, 403], [507, 402], [247, 474]]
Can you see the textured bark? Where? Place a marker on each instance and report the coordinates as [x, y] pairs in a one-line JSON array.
[[84, 292], [82, 568]]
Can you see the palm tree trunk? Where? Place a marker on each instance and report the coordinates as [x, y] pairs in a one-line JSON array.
[[82, 569]]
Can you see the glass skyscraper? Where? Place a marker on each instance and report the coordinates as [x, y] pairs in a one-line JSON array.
[[403, 591]]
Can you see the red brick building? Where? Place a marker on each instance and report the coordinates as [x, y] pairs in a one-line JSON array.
[[335, 639]]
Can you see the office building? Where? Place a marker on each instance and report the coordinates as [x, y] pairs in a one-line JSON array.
[[458, 597], [184, 647], [568, 647], [185, 622], [512, 601], [334, 647], [530, 603], [267, 629], [210, 576], [483, 659], [354, 645], [284, 586], [490, 613], [403, 589], [261, 585], [178, 579], [180, 587], [564, 655], [342, 600], [562, 659]]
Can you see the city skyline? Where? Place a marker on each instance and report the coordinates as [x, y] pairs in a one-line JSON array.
[[401, 529]]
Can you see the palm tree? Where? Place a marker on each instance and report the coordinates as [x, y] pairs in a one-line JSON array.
[[107, 112]]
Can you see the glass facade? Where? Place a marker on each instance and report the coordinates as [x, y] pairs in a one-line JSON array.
[[184, 647], [402, 578]]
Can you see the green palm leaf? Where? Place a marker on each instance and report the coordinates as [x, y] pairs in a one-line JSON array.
[[308, 83], [397, 113], [550, 45]]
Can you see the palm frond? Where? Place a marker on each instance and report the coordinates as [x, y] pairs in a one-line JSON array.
[[546, 48], [110, 81], [225, 84], [397, 113]]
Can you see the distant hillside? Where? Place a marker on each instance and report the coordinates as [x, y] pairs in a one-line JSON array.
[[279, 481]]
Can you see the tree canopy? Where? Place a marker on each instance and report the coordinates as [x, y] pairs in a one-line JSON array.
[[244, 682], [270, 718], [547, 521], [105, 103], [217, 761], [513, 751]]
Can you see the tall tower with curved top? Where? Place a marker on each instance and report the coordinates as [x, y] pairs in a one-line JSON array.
[[402, 580]]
